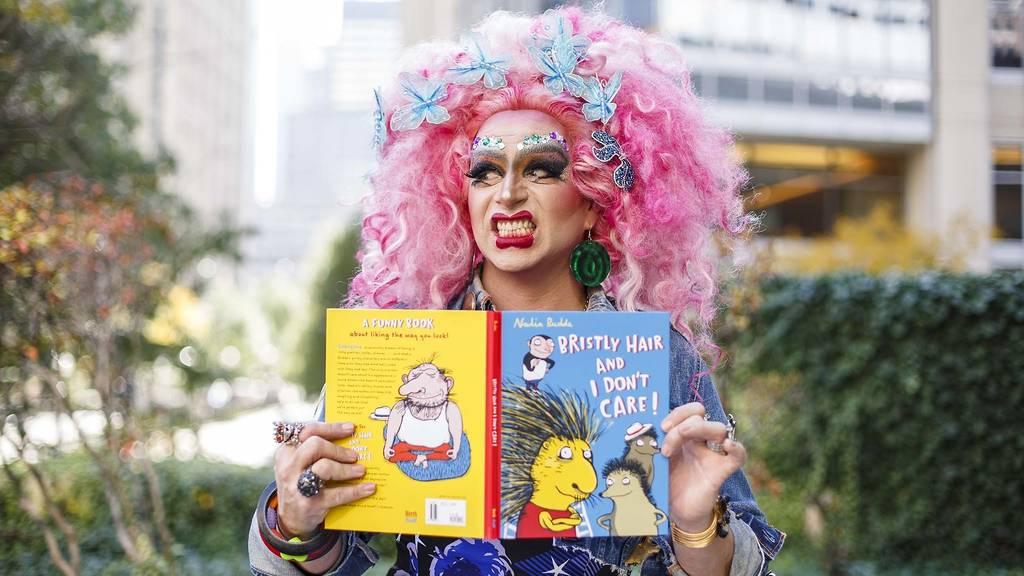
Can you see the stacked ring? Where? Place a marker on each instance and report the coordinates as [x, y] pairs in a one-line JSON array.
[[287, 433], [309, 483]]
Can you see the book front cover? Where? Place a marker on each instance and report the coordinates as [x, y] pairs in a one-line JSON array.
[[415, 384], [583, 396]]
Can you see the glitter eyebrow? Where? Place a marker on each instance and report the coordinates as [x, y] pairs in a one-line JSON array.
[[493, 142], [537, 139]]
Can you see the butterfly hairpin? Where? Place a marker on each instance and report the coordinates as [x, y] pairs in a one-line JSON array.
[[380, 133], [559, 30], [610, 148], [492, 70], [423, 95], [557, 66], [599, 96]]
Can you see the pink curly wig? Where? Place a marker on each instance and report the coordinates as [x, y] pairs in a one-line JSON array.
[[418, 247]]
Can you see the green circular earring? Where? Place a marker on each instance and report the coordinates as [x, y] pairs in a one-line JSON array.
[[590, 263]]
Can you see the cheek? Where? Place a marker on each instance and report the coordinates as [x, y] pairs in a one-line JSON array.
[[564, 202], [476, 203]]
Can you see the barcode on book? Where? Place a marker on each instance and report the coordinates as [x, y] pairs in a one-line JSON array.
[[446, 512]]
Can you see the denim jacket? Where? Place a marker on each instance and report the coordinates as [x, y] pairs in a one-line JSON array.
[[756, 542]]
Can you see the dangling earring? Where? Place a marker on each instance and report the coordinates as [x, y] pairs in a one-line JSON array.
[[589, 262]]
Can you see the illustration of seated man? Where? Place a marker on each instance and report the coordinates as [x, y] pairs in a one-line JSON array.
[[537, 361], [424, 429]]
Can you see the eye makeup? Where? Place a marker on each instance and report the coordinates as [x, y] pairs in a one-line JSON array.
[[552, 166]]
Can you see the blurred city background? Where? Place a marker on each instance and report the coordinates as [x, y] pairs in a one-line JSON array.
[[180, 194]]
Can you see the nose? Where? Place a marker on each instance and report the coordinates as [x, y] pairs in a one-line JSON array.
[[513, 190]]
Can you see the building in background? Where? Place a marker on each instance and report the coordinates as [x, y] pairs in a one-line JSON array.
[[188, 78], [323, 145], [843, 105]]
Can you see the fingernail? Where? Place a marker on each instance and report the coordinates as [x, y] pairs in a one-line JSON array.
[[369, 488], [359, 469], [348, 427]]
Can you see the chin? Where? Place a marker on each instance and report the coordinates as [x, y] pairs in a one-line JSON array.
[[512, 262]]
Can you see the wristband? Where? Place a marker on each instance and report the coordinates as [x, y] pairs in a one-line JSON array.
[[295, 548]]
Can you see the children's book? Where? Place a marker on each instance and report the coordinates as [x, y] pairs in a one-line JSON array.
[[503, 425]]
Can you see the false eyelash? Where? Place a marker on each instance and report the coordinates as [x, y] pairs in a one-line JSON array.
[[554, 168], [479, 170]]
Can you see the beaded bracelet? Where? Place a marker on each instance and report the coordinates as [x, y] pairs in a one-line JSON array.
[[295, 548]]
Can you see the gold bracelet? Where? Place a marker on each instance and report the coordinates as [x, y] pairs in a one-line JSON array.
[[698, 540]]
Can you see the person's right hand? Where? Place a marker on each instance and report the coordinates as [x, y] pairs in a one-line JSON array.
[[300, 515]]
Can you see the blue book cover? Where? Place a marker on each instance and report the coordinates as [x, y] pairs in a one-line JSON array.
[[582, 399]]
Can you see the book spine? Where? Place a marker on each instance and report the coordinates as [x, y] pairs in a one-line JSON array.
[[492, 473]]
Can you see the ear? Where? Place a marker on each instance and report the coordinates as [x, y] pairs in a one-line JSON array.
[[450, 382], [593, 213]]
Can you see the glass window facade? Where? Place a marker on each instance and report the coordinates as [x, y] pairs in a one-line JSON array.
[[864, 55], [1006, 32], [1008, 188], [801, 190]]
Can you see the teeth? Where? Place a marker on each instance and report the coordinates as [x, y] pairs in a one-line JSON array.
[[513, 228]]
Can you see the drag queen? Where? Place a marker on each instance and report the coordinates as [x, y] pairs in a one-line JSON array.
[[558, 162]]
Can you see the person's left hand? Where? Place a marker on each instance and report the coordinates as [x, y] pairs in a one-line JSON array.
[[696, 472]]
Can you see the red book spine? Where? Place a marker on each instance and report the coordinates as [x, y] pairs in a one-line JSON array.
[[492, 473]]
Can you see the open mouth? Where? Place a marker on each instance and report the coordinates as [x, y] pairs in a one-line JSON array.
[[515, 231]]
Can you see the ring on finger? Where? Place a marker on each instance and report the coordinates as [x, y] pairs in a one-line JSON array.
[[309, 483], [287, 433]]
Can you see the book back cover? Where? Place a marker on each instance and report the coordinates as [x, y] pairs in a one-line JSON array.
[[415, 384]]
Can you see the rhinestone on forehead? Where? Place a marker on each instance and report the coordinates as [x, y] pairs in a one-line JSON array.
[[535, 139], [488, 142]]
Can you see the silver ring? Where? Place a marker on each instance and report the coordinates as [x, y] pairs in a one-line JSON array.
[[309, 483]]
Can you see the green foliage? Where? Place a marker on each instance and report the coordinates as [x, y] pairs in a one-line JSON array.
[[328, 291], [209, 507], [891, 407], [58, 108]]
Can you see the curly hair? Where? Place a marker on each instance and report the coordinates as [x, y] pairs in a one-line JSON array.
[[418, 248]]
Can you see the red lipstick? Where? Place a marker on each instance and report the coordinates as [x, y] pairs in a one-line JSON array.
[[522, 239]]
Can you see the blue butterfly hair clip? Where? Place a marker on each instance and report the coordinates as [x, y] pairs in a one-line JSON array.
[[599, 98], [492, 70], [557, 66], [423, 95], [559, 31], [610, 148], [380, 132]]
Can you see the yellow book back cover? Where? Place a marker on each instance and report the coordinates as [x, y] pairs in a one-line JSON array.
[[414, 384]]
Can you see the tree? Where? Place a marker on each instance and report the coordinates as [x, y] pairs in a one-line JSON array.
[[89, 247], [58, 108]]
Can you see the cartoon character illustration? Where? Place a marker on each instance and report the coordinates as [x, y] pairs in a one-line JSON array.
[[633, 511], [548, 465], [537, 361], [426, 425], [641, 446]]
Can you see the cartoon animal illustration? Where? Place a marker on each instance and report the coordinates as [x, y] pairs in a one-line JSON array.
[[641, 446], [425, 425], [548, 465], [537, 361], [633, 511]]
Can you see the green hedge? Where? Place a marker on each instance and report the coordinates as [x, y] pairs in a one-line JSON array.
[[209, 506], [895, 407]]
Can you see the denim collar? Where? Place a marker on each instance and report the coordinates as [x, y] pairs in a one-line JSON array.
[[474, 297]]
